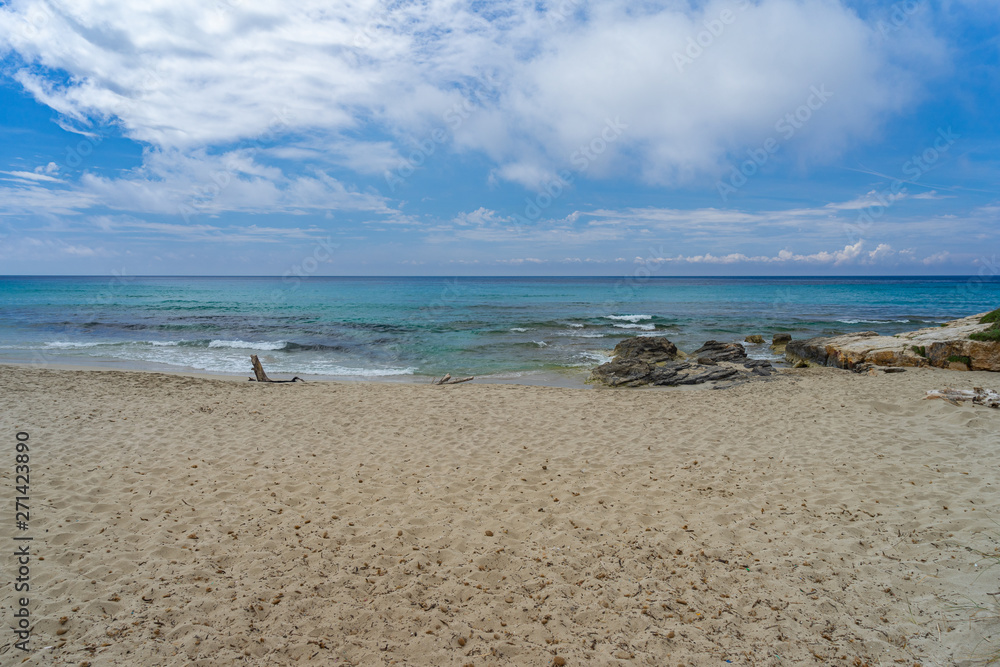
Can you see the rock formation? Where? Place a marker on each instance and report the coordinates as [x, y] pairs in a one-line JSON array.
[[647, 360], [946, 346], [716, 351], [651, 349], [779, 341]]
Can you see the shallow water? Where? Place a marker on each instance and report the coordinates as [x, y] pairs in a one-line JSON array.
[[515, 329]]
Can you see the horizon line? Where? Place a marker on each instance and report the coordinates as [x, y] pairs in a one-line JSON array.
[[519, 277]]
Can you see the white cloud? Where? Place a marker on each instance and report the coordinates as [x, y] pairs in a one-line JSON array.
[[36, 175], [123, 225], [846, 255], [506, 79], [933, 194], [869, 200], [480, 217], [188, 184]]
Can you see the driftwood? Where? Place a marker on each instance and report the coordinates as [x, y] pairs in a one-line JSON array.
[[258, 370], [978, 396], [448, 379]]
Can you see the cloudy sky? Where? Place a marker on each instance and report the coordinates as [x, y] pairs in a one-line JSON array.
[[450, 137]]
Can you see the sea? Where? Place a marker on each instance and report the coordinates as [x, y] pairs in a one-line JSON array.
[[549, 331]]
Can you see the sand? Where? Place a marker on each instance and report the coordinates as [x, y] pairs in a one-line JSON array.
[[825, 517]]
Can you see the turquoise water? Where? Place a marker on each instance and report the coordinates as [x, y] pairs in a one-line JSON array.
[[410, 328]]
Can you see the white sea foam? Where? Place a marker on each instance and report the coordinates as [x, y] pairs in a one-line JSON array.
[[599, 357], [518, 329], [164, 343], [363, 372], [644, 327], [68, 345], [244, 345], [574, 325], [873, 321], [540, 343], [629, 318]]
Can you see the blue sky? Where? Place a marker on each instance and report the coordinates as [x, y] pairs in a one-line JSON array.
[[743, 137]]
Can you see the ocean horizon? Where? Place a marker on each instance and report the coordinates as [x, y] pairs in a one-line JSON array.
[[538, 330]]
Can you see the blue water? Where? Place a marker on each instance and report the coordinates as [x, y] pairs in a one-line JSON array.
[[411, 328]]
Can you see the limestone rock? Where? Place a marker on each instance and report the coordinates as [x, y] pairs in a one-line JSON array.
[[923, 347], [779, 341], [756, 338]]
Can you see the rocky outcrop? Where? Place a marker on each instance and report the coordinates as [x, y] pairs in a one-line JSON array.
[[632, 373], [651, 349], [779, 341], [715, 351], [947, 346], [756, 339], [656, 361]]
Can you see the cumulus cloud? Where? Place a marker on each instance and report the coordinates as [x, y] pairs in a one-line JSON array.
[[527, 84], [850, 254]]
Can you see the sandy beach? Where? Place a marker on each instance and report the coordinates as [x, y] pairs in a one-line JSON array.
[[822, 518]]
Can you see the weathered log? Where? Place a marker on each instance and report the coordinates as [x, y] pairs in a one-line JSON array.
[[447, 379], [978, 396], [258, 371]]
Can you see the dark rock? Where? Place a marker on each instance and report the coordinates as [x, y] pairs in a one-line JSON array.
[[651, 349], [722, 351], [893, 369], [711, 375], [623, 373], [673, 375], [760, 367], [632, 365]]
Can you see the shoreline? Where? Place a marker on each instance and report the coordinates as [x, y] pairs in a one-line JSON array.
[[528, 379]]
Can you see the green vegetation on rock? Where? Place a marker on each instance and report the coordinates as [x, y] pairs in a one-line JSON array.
[[993, 316], [960, 359], [991, 335], [922, 351]]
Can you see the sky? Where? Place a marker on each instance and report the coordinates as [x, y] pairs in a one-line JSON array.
[[448, 137]]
